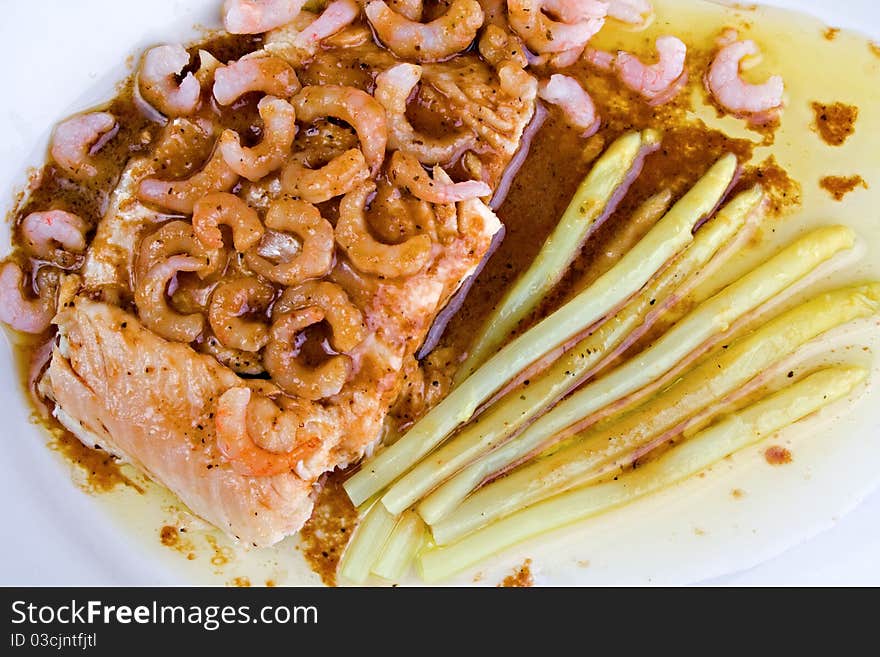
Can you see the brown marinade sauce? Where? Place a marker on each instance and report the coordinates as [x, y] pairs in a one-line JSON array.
[[835, 122], [840, 186], [325, 535], [776, 455], [521, 577]]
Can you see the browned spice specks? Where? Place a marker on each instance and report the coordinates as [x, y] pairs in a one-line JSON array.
[[241, 582], [834, 122], [222, 554], [738, 493], [840, 186], [522, 576], [831, 33], [168, 535], [776, 455], [783, 192], [324, 537], [176, 539]]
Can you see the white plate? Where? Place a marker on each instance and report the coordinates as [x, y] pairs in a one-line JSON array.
[[68, 56]]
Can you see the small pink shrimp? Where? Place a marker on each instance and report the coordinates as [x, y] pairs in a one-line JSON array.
[[271, 75], [335, 16], [757, 101], [633, 12], [224, 208], [230, 301], [153, 309], [426, 42], [601, 59], [157, 81], [257, 16], [658, 82], [16, 310], [339, 176], [393, 89], [579, 21], [235, 415], [279, 129], [573, 11], [282, 363], [407, 172], [367, 253], [315, 234], [74, 138], [357, 108], [182, 195], [573, 100], [44, 231]]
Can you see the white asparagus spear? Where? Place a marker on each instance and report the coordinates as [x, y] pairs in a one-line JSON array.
[[366, 545], [733, 433]]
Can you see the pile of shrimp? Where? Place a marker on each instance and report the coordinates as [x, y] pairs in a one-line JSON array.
[[239, 265]]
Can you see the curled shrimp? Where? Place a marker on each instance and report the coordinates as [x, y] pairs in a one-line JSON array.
[[402, 216], [578, 21], [370, 255], [157, 81], [279, 129], [633, 12], [426, 42], [182, 195], [176, 238], [407, 172], [54, 235], [600, 58], [393, 88], [297, 309], [572, 99], [240, 417], [231, 300], [315, 257], [282, 363], [345, 320], [18, 311], [339, 176], [153, 309], [758, 101], [658, 82], [336, 15], [357, 108], [74, 138], [227, 209], [271, 75], [257, 16]]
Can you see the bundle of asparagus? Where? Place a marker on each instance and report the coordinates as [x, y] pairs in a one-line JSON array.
[[495, 462]]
